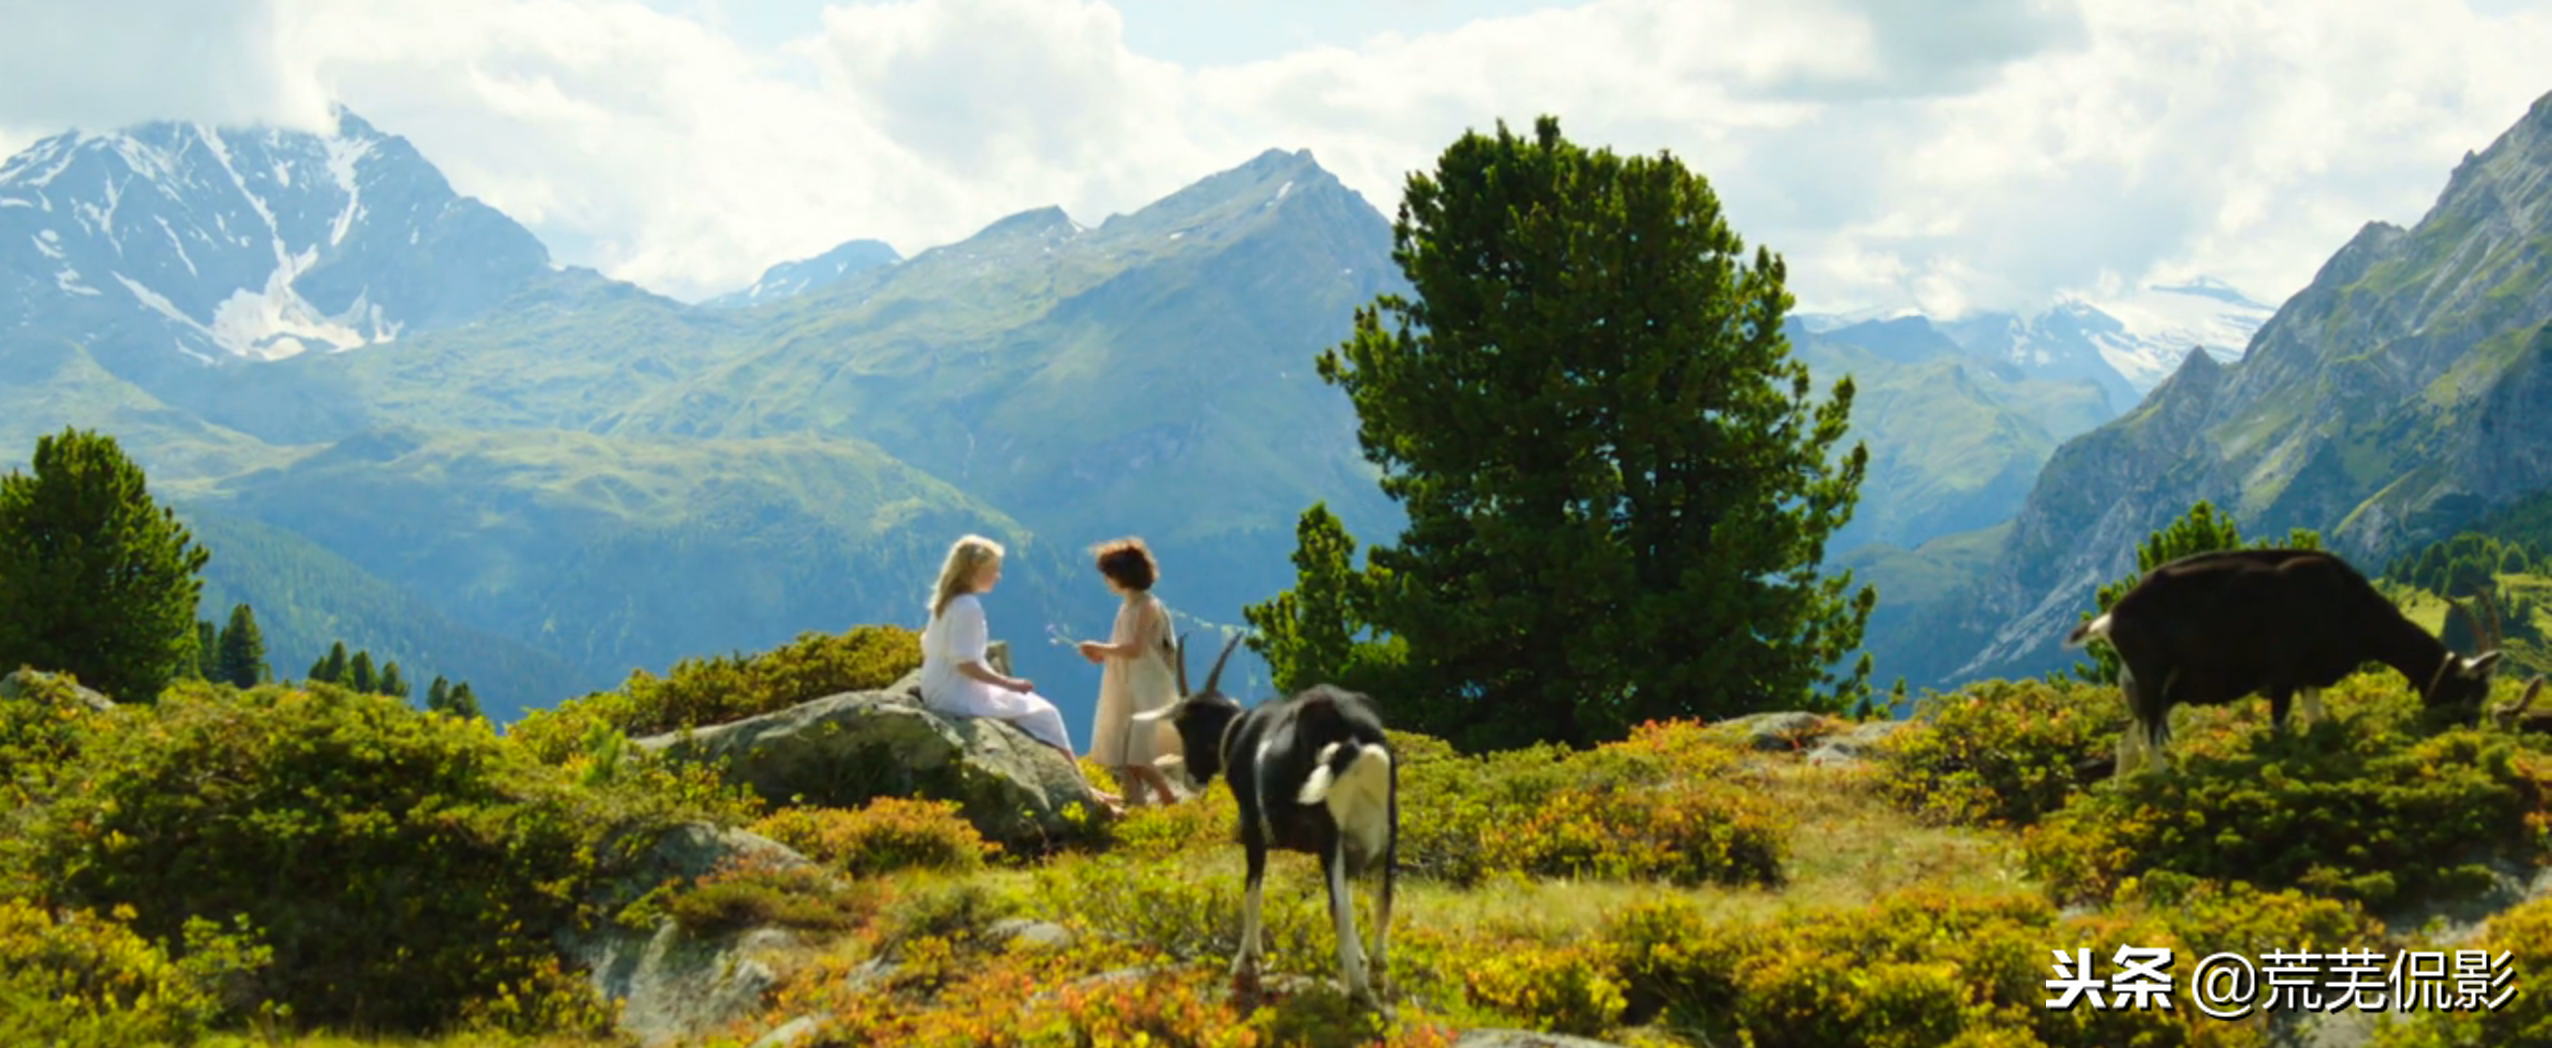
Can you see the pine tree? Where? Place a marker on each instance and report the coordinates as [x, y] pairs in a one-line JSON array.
[[1307, 633], [242, 659], [1617, 484], [391, 683], [359, 674], [207, 649], [438, 695], [97, 578], [462, 702], [334, 669]]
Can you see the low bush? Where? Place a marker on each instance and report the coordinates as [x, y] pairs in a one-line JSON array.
[[2362, 809], [755, 893], [401, 867], [726, 688], [2001, 752], [1665, 804], [76, 979], [2518, 1011], [1918, 969], [884, 835]]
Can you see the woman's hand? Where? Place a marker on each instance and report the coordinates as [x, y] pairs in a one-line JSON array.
[[1093, 650], [1017, 684]]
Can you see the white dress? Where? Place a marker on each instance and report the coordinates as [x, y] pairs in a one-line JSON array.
[[1131, 686], [956, 636]]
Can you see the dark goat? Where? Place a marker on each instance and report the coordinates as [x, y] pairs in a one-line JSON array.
[[2520, 715], [1310, 773], [2212, 628]]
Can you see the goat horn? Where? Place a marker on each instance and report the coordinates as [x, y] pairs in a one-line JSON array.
[[1180, 663], [2526, 701], [1217, 673]]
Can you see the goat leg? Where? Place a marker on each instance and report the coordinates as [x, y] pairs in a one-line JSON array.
[[2313, 711], [1245, 962], [1381, 973], [1342, 915]]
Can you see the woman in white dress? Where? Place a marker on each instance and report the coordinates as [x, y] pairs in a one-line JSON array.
[[1137, 677], [955, 677]]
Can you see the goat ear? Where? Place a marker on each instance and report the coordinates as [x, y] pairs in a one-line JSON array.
[[2480, 665]]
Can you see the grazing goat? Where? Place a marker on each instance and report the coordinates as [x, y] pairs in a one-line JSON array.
[[2212, 628], [2521, 716], [1310, 773]]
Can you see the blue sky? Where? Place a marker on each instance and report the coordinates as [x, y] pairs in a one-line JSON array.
[[1948, 155]]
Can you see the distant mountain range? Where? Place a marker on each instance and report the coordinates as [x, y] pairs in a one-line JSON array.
[[2406, 392], [400, 424]]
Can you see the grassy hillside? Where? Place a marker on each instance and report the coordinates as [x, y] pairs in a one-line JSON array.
[[1917, 587], [1680, 888]]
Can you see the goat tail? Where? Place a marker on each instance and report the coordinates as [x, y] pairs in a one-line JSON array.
[[1354, 774], [2098, 627]]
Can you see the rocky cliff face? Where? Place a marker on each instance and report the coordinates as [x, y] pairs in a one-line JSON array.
[[2400, 395]]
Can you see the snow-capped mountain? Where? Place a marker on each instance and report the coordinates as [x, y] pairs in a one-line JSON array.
[[260, 244], [2126, 344], [807, 274]]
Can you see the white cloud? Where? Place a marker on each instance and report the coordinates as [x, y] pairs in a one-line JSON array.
[[1990, 153]]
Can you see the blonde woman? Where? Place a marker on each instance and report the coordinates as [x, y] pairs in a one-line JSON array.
[[955, 677]]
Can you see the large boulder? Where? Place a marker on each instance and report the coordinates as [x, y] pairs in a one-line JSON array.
[[842, 750], [674, 986], [20, 680]]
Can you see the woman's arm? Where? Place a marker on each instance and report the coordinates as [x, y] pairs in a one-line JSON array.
[[970, 638], [984, 673], [1148, 631]]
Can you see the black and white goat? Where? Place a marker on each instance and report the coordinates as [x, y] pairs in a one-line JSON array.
[[2212, 628], [1313, 773]]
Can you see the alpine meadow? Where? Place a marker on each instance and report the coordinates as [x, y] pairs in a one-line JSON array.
[[413, 637]]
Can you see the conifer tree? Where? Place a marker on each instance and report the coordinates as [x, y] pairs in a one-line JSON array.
[[242, 661], [391, 683], [463, 703], [1618, 486], [97, 578], [359, 674]]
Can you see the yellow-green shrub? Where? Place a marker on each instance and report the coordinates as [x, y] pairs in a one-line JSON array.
[[75, 979], [2001, 751], [1567, 989], [2524, 933], [1918, 969], [944, 996], [1659, 804], [881, 836], [754, 892], [728, 687], [398, 864], [2361, 809]]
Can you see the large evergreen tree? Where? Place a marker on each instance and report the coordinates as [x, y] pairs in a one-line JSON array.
[[1619, 488], [97, 578], [241, 657]]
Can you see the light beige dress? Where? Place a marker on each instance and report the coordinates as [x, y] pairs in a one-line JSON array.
[[1131, 686]]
